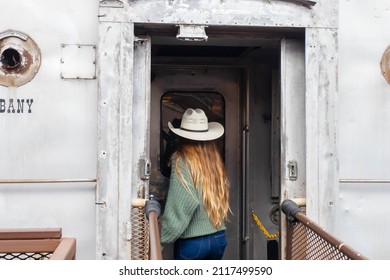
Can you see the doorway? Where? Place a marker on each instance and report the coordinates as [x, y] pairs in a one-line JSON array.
[[216, 91], [237, 83]]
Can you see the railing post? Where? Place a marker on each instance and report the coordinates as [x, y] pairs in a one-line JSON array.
[[290, 208]]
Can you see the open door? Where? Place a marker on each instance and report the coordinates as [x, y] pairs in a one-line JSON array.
[[140, 116], [123, 136], [140, 138], [292, 124]]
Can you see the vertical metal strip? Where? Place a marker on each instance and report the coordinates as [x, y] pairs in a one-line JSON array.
[[322, 127], [108, 134], [292, 122], [245, 193], [140, 125], [126, 132]]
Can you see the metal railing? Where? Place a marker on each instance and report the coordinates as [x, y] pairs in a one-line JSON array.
[[145, 241], [139, 243], [36, 244], [44, 181], [308, 241], [153, 210], [365, 181]]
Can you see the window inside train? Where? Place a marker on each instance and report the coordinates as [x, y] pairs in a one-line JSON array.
[[173, 105]]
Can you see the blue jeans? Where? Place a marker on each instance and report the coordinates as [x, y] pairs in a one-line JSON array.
[[207, 247]]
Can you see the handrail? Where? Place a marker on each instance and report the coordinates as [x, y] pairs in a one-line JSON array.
[[377, 181], [39, 181], [308, 240], [36, 244], [152, 211], [30, 233], [66, 250]]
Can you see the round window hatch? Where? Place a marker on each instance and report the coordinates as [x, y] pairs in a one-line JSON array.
[[385, 65], [20, 58]]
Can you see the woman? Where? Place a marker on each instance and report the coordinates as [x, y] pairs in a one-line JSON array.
[[198, 196]]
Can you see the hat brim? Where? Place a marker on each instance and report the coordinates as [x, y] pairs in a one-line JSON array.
[[215, 131]]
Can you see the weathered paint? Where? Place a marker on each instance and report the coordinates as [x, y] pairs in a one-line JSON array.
[[107, 195], [57, 139], [322, 127], [385, 65], [20, 58], [318, 135], [292, 123], [69, 132], [235, 13]]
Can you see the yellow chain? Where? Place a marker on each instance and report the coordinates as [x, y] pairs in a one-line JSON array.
[[263, 229]]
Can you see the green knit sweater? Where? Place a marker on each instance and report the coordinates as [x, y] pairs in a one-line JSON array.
[[184, 214]]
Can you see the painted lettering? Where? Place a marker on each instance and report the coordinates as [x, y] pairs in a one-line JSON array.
[[18, 103], [2, 105], [29, 103], [11, 108]]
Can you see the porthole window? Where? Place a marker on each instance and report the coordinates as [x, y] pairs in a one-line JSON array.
[[20, 58], [385, 65], [10, 58]]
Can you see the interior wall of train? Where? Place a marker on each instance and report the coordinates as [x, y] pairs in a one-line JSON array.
[[87, 89]]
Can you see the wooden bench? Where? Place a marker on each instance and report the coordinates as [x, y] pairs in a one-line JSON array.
[[36, 244]]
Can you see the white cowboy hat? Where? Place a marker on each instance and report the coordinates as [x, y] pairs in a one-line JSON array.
[[195, 126]]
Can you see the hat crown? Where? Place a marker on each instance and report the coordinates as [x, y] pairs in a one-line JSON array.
[[195, 126], [194, 120]]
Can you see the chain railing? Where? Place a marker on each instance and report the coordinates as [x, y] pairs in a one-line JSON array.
[[306, 240], [263, 229]]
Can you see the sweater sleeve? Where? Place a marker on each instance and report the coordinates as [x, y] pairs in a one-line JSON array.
[[179, 208]]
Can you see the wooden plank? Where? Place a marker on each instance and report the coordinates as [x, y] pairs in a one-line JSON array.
[[30, 233], [28, 246], [66, 250]]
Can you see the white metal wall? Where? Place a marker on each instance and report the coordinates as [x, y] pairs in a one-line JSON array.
[[58, 138], [364, 126]]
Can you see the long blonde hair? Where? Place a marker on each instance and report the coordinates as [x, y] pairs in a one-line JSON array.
[[204, 163]]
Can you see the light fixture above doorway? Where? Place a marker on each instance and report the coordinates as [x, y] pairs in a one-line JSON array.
[[191, 33]]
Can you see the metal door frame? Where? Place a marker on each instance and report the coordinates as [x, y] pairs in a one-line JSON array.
[[116, 77]]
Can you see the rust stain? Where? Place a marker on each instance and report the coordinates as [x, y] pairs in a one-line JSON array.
[[20, 61], [385, 65]]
